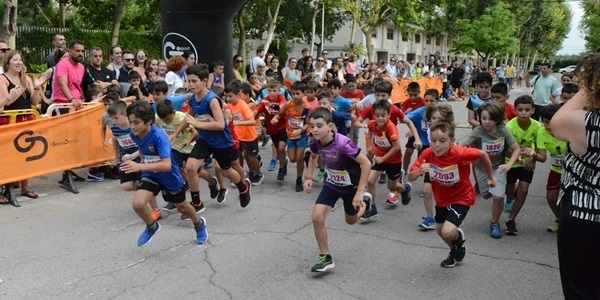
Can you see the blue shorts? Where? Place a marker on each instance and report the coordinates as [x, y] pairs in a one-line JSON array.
[[329, 197], [299, 143]]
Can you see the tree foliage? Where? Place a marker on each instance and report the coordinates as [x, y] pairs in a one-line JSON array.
[[590, 24]]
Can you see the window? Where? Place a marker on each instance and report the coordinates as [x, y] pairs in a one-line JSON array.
[[428, 41], [417, 38], [405, 37], [374, 34], [390, 34], [438, 41]]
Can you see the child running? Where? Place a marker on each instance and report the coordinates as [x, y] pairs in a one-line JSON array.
[[346, 178], [158, 173], [449, 168]]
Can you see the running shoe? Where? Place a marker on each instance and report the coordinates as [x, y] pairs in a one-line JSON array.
[[406, 197], [198, 207], [511, 228], [156, 215], [146, 236], [265, 141], [428, 223], [449, 262], [509, 204], [495, 231], [281, 175], [372, 214], [201, 232], [299, 185], [214, 190], [245, 196], [272, 165], [169, 207], [382, 178], [222, 195], [367, 199], [258, 179], [319, 176], [459, 246], [95, 177], [392, 198], [323, 264]]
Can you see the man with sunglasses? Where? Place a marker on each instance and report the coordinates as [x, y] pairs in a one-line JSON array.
[[3, 49], [128, 63], [58, 41], [324, 54], [392, 69]]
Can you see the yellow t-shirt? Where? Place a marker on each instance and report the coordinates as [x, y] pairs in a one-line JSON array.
[[182, 137]]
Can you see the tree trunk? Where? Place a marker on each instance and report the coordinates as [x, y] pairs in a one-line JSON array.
[[313, 31], [368, 32], [242, 28], [62, 13], [352, 31], [272, 24], [117, 22], [533, 60], [9, 23]]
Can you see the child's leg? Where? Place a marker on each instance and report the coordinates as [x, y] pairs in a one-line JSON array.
[[187, 209], [219, 175], [448, 232], [299, 162], [497, 206], [250, 152], [319, 214], [281, 154], [140, 205], [407, 158], [522, 190], [274, 152], [191, 167], [552, 189], [352, 214], [373, 177], [291, 152], [428, 198]]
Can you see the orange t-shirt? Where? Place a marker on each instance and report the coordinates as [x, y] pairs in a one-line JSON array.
[[295, 119], [241, 112], [236, 141], [383, 139]]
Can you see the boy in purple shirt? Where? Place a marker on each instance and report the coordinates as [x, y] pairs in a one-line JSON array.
[[346, 174]]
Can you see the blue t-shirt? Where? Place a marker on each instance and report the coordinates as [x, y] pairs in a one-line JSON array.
[[153, 148], [475, 102], [178, 102], [220, 139], [264, 93], [341, 104], [124, 140], [340, 119], [417, 116]]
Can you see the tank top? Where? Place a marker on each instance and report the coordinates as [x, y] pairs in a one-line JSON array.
[[23, 102], [292, 75], [581, 175], [215, 139], [216, 79]]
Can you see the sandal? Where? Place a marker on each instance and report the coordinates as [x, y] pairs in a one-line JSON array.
[[29, 194]]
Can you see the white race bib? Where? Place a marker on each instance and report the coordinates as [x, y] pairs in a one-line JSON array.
[[150, 159], [205, 118], [125, 141], [493, 147], [446, 176], [338, 177], [558, 161], [381, 141], [296, 123], [238, 117]]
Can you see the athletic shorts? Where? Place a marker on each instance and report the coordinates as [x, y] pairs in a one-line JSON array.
[[129, 177], [281, 136], [299, 143], [202, 150], [519, 173], [553, 181], [393, 170], [454, 214], [250, 147], [410, 143], [178, 157], [355, 133], [329, 197], [500, 188], [172, 196], [235, 154]]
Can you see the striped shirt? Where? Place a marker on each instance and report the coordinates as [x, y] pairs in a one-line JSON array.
[[581, 175]]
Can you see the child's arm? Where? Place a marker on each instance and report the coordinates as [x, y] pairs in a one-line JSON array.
[[222, 84], [217, 125], [516, 151], [129, 166], [568, 124], [419, 169], [487, 164], [365, 169], [280, 114], [418, 144], [128, 99], [472, 118], [537, 155], [312, 162], [211, 77]]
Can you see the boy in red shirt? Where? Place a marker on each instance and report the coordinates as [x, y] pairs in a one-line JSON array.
[[449, 168], [500, 97], [413, 102], [269, 107], [353, 95]]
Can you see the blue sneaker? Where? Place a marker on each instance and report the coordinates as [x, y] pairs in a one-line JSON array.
[[272, 165], [146, 236], [509, 205], [428, 223], [495, 231], [406, 197], [201, 233], [372, 214]]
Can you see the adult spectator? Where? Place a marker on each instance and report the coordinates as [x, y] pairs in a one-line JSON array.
[[325, 54], [142, 62], [308, 70], [174, 65], [457, 77], [320, 70], [543, 86], [95, 73], [162, 70], [510, 74], [273, 70], [18, 92], [501, 73], [3, 49], [67, 86], [261, 73], [122, 75], [58, 41], [578, 123], [302, 60], [335, 72], [391, 68], [268, 58], [116, 60], [260, 55], [50, 76], [190, 59], [290, 73]]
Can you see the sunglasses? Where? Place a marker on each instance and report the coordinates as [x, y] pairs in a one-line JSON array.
[[129, 59], [392, 60], [413, 95], [239, 61], [321, 60], [4, 50], [325, 53]]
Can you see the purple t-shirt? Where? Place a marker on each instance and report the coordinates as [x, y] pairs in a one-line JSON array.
[[342, 172]]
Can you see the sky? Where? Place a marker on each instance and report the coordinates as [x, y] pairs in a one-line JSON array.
[[574, 43]]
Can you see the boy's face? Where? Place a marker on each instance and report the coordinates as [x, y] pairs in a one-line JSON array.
[[194, 84], [310, 94], [524, 111], [546, 123], [499, 99], [441, 142], [120, 120], [319, 128], [351, 87], [107, 104], [381, 117], [138, 126], [135, 81], [298, 95], [168, 119], [230, 97], [566, 97], [159, 96], [273, 93], [414, 96], [430, 101], [335, 92], [244, 97], [152, 76], [483, 90], [325, 103], [382, 96], [219, 70], [436, 116]]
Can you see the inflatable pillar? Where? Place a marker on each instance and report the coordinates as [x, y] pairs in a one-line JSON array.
[[204, 27]]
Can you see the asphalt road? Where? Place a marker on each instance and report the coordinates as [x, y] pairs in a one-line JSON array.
[[66, 246]]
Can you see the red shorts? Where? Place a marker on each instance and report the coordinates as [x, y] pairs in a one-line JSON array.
[[553, 181]]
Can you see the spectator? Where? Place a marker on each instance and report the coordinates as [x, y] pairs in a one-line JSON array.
[[162, 70], [190, 59], [3, 49], [543, 86], [174, 65], [324, 54], [95, 73], [238, 62], [302, 61], [142, 61], [69, 74], [260, 55], [273, 70], [58, 41], [116, 60]]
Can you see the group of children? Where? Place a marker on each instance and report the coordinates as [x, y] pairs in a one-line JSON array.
[[162, 149]]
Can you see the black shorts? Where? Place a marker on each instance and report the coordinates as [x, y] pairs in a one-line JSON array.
[[129, 177], [202, 150], [235, 154], [410, 143], [393, 170], [456, 84], [519, 173], [281, 136], [329, 197], [178, 157], [250, 147], [454, 214], [176, 196], [426, 178]]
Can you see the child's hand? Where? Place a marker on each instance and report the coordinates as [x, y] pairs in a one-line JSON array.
[[418, 145], [172, 137], [129, 166], [358, 202], [308, 185], [424, 169], [409, 134], [359, 106], [274, 121], [190, 120], [503, 168], [297, 132], [378, 160], [491, 182], [530, 165]]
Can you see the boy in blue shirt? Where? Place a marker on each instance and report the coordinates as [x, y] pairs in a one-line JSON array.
[[158, 173]]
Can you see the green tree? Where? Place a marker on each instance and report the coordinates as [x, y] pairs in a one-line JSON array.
[[483, 34], [590, 24]]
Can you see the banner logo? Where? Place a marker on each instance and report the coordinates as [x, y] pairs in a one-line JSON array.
[[32, 141]]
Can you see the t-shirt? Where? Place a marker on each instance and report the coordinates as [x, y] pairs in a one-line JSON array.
[[543, 88], [155, 147], [182, 137], [555, 147], [340, 119], [510, 72], [314, 104], [494, 144], [269, 111], [353, 97], [475, 102], [175, 81], [409, 104], [93, 75], [236, 142], [295, 119], [124, 141], [135, 94], [342, 172], [450, 175], [177, 101], [264, 93], [241, 112], [417, 116], [525, 138], [383, 139], [216, 139], [341, 104], [509, 111], [74, 74], [396, 114]]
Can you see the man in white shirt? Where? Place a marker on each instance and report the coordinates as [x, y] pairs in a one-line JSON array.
[[260, 55]]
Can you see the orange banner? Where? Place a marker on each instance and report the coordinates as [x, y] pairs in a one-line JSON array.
[[49, 145], [399, 93]]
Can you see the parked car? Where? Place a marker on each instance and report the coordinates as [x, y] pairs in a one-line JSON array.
[[567, 70]]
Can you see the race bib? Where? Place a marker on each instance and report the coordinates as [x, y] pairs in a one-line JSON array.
[[558, 161], [205, 118], [125, 141], [493, 147], [150, 159], [296, 123], [381, 141], [238, 117], [337, 177], [271, 110], [425, 125], [445, 176]]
